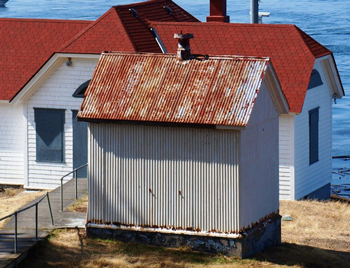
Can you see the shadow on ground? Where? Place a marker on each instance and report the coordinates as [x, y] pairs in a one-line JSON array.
[[304, 256], [71, 248]]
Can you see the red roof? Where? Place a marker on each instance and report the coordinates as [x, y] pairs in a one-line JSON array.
[[119, 29], [291, 51], [26, 44], [137, 87]]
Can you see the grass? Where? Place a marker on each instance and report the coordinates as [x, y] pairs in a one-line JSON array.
[[80, 205], [318, 236], [12, 199], [320, 224], [71, 248]]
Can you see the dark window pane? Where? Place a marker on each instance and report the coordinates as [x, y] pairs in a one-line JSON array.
[[313, 135], [49, 135], [79, 93], [315, 79]]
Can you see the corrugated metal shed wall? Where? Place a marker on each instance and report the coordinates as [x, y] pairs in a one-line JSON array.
[[185, 178]]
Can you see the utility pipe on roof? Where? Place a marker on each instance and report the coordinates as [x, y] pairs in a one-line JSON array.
[[254, 11]]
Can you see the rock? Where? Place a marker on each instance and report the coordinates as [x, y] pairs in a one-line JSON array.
[[286, 218]]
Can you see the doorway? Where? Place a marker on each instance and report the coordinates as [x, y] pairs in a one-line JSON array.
[[79, 145]]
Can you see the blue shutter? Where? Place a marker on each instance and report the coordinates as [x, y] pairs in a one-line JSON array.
[[49, 135], [313, 135]]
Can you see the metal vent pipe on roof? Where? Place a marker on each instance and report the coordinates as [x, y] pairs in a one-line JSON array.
[[134, 12], [168, 9], [218, 9], [183, 49], [254, 11]]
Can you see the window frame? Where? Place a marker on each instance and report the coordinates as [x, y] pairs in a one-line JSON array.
[[39, 134]]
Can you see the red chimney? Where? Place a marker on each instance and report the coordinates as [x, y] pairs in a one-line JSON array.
[[218, 11]]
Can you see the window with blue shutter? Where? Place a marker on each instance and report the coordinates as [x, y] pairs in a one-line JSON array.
[[49, 125], [313, 135]]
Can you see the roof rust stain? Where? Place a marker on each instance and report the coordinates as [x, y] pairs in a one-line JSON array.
[[159, 88]]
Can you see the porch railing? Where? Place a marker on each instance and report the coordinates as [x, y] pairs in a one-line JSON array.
[[36, 219], [74, 171]]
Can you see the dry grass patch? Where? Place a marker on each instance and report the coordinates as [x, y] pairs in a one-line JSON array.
[[317, 237], [71, 248], [12, 199], [80, 205], [318, 224]]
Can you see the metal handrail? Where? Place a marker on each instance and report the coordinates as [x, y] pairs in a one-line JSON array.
[[76, 183], [36, 218]]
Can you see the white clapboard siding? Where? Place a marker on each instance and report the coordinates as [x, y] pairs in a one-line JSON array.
[[11, 144], [309, 178], [286, 157], [56, 93]]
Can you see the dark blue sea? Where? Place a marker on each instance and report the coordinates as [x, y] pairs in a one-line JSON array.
[[327, 21]]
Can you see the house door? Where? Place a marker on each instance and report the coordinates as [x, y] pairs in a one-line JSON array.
[[79, 145]]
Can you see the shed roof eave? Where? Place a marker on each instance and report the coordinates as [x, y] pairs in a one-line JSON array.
[[220, 127], [225, 127]]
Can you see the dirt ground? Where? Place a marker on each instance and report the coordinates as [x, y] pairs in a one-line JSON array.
[[12, 199], [317, 236]]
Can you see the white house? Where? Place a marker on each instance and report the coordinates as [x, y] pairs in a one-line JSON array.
[[25, 46], [149, 27], [45, 68], [309, 79], [184, 151]]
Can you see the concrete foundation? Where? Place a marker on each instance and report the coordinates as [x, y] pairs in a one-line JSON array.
[[323, 193], [254, 240]]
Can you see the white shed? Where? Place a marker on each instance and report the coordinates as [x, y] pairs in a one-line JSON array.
[[184, 151]]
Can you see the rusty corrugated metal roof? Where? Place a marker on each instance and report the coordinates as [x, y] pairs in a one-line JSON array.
[[160, 88]]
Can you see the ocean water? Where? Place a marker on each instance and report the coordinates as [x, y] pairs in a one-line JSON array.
[[327, 21]]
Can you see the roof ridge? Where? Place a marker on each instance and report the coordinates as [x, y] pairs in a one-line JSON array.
[[305, 36], [44, 20], [84, 30], [225, 24], [140, 3], [93, 24], [211, 56]]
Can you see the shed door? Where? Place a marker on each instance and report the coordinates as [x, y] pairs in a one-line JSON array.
[[79, 145]]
